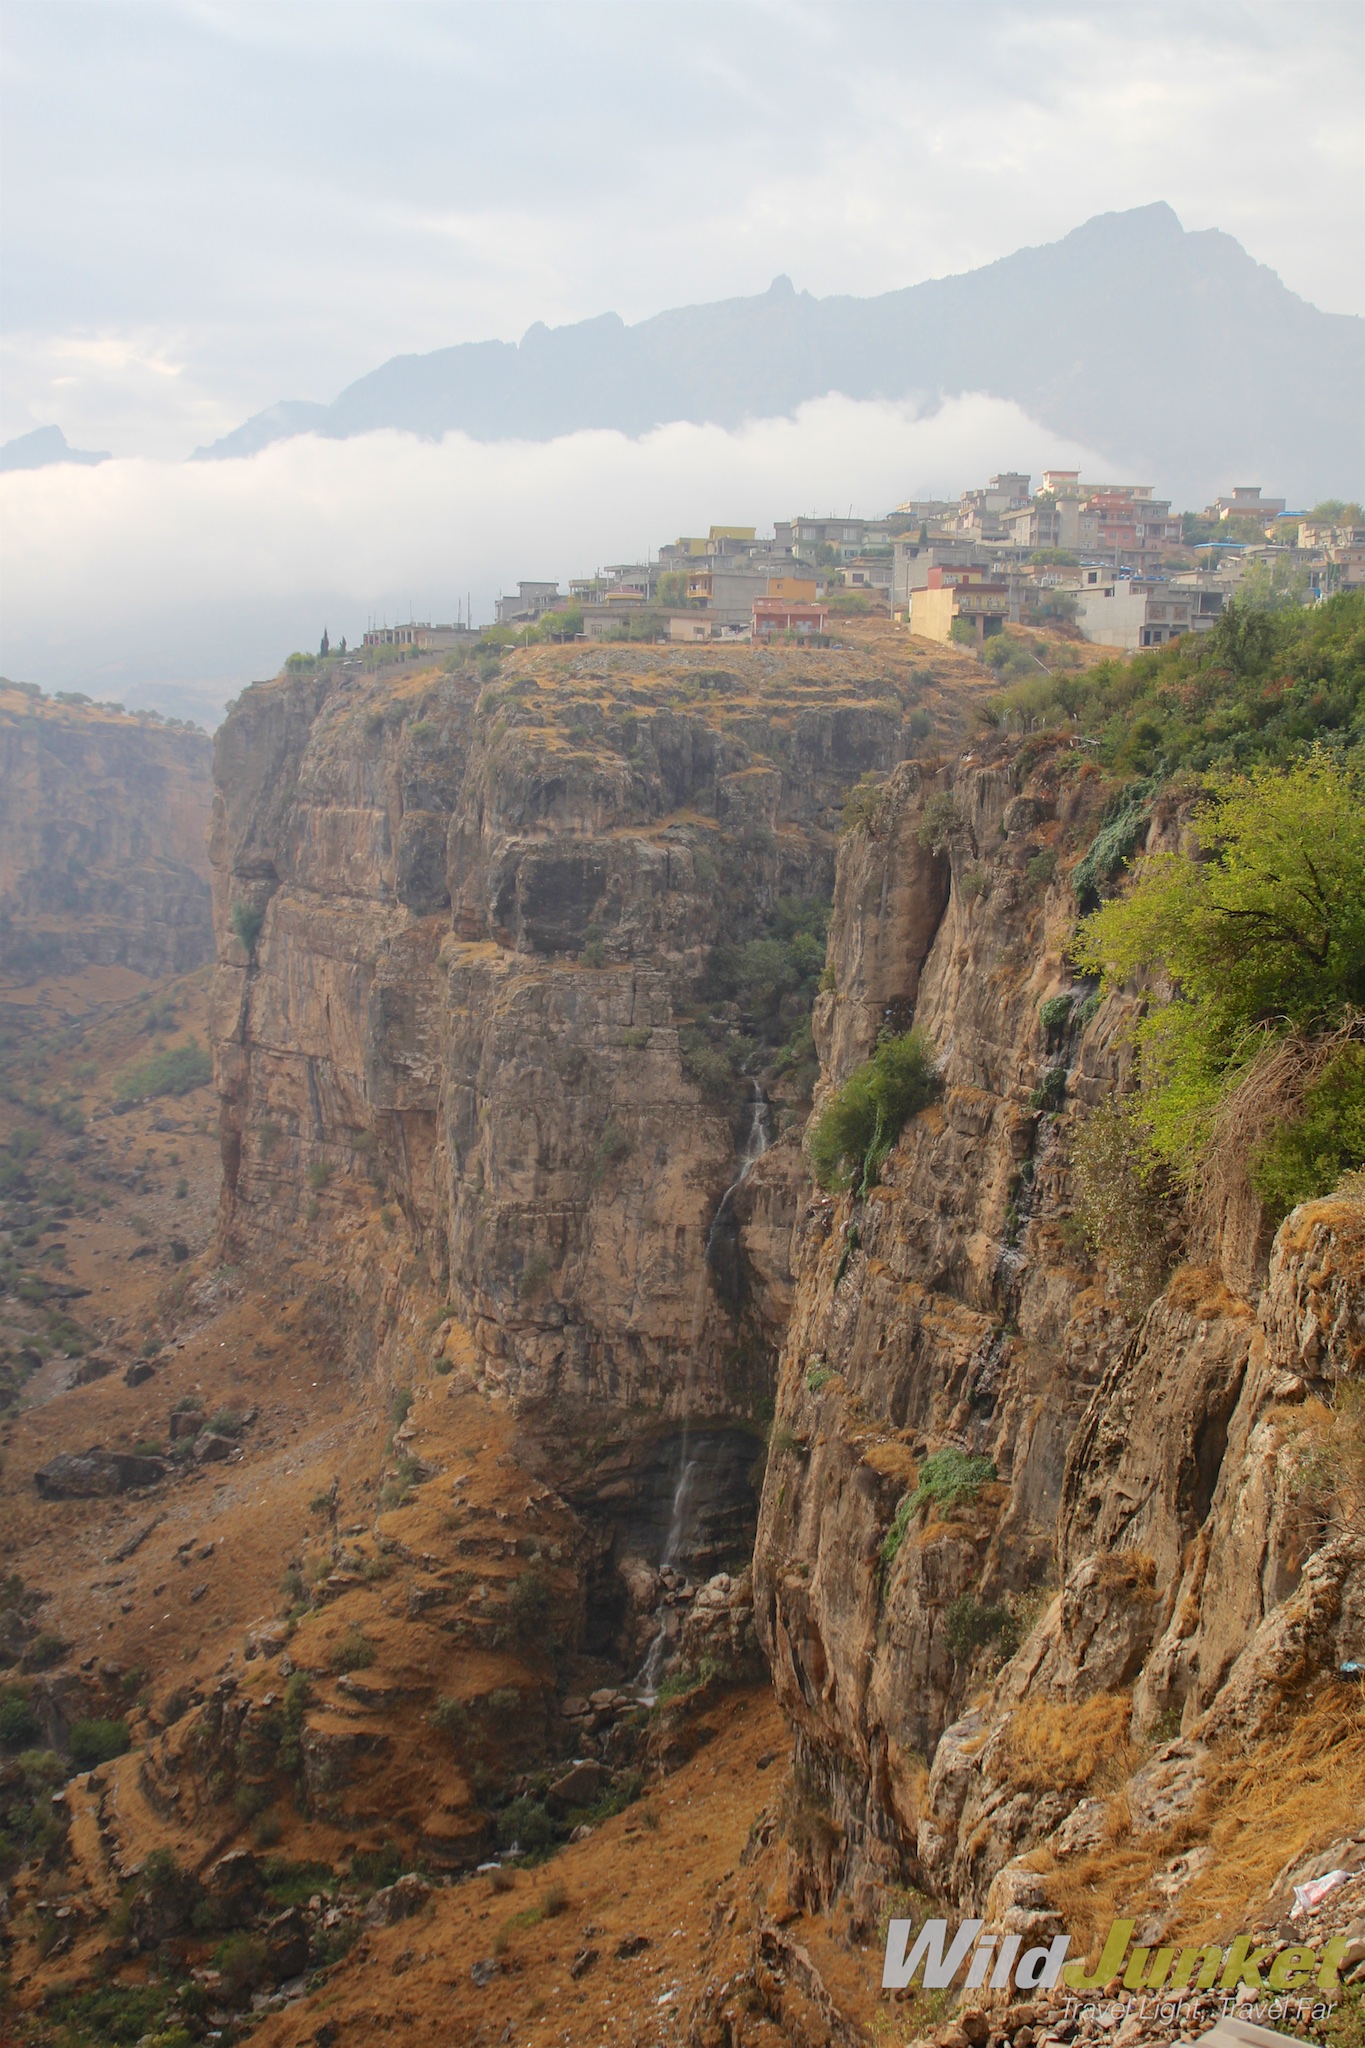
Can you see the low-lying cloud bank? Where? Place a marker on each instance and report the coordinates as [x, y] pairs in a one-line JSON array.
[[174, 584]]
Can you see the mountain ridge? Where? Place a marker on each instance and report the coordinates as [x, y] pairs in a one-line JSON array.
[[1170, 351], [43, 447]]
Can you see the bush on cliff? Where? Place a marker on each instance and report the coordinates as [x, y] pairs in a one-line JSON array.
[[97, 1742], [1260, 938], [774, 978], [947, 1477], [247, 920], [1310, 1152], [1126, 1207], [1264, 685], [861, 1122]]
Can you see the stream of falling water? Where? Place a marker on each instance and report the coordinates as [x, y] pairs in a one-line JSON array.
[[755, 1145]]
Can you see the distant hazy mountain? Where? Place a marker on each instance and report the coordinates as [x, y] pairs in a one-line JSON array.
[[277, 423], [45, 445], [1175, 354]]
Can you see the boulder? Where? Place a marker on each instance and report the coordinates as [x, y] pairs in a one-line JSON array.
[[164, 1902], [235, 1885], [210, 1449], [397, 1901], [286, 1938], [578, 1787], [265, 1639], [86, 1475]]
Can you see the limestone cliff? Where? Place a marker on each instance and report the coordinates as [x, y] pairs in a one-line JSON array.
[[102, 826], [1139, 1553], [472, 1010]]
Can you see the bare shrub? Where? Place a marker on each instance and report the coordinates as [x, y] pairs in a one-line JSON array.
[[1125, 1205], [1064, 1747]]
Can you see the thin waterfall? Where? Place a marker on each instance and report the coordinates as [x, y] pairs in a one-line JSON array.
[[756, 1144]]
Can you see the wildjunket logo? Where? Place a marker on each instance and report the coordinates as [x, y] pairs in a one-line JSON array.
[[996, 1963]]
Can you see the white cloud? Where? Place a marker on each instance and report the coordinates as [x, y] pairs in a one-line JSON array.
[[137, 575]]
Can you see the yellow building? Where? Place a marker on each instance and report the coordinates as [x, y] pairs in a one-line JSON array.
[[958, 594]]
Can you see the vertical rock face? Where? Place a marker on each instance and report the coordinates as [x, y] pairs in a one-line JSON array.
[[479, 919], [1132, 1524], [102, 839]]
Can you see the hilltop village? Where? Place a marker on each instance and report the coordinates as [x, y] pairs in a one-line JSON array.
[[1108, 563]]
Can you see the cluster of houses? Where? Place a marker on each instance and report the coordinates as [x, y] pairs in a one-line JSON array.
[[1112, 559]]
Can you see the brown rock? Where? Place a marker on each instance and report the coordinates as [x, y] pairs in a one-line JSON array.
[[578, 1787], [88, 1474], [210, 1449], [397, 1901], [286, 1937]]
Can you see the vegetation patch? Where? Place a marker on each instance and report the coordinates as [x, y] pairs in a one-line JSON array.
[[246, 924], [354, 1651], [1262, 687], [1071, 1746], [855, 1131], [947, 1477], [969, 1626], [1261, 939], [174, 1072], [1125, 1205], [1321, 1142], [97, 1742]]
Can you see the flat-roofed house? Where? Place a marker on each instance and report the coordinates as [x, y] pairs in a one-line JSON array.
[[1133, 611], [776, 615], [953, 594]]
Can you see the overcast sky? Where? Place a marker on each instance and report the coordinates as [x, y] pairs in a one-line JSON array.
[[212, 204]]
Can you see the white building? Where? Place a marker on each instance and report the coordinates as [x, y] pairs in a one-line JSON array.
[[1131, 612]]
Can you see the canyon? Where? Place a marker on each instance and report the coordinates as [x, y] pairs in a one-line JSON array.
[[534, 1454]]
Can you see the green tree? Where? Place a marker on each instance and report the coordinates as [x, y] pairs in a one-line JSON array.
[[1266, 586], [1263, 936]]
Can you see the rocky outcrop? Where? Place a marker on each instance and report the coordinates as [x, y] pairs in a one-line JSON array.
[[465, 935], [947, 1309], [102, 839], [90, 1474], [1132, 1542]]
